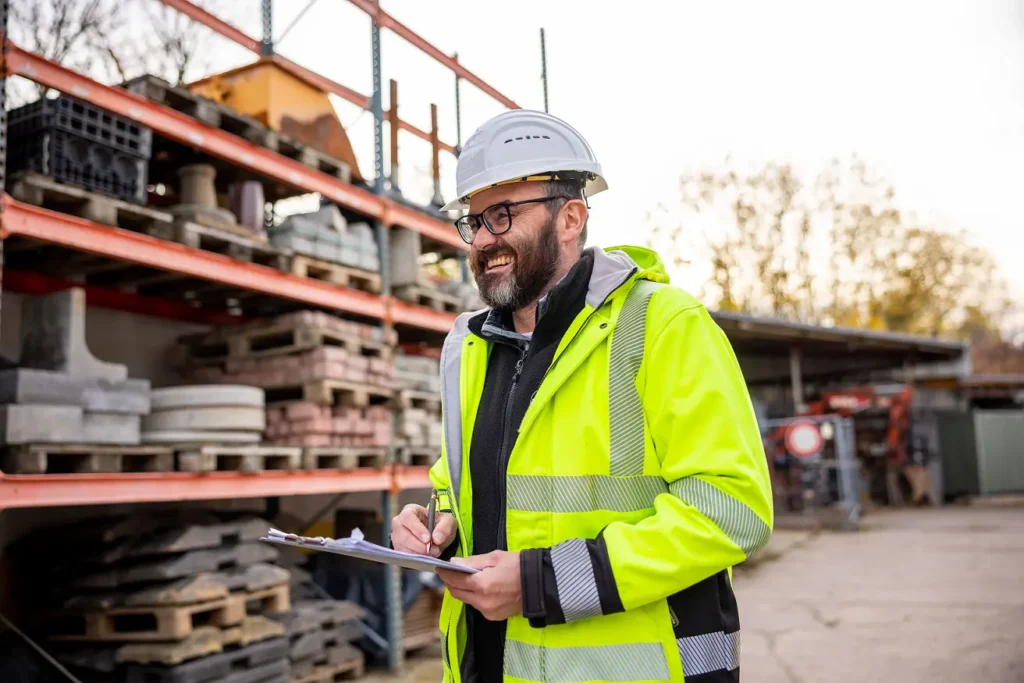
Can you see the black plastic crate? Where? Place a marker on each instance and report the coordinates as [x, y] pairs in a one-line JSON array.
[[84, 120], [77, 161]]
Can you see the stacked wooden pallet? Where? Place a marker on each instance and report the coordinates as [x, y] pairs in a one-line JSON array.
[[162, 598], [326, 381]]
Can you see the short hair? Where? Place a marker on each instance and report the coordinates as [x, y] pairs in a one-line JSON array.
[[571, 187]]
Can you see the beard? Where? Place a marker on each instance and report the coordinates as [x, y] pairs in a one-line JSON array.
[[533, 267]]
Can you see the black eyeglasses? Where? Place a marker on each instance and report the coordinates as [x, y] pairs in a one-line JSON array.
[[497, 218]]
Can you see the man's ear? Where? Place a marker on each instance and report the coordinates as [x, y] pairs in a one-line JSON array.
[[574, 217]]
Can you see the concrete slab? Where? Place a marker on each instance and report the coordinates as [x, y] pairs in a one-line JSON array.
[[21, 424], [405, 253], [201, 395], [129, 397], [53, 337], [212, 417], [24, 385], [112, 428]]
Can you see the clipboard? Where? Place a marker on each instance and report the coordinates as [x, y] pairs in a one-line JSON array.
[[356, 546]]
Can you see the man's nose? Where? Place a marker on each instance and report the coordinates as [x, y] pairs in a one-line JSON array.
[[483, 239]]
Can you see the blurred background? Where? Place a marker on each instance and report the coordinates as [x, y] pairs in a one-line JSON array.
[[246, 193]]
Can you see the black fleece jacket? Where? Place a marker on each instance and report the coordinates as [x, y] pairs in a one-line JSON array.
[[516, 367]]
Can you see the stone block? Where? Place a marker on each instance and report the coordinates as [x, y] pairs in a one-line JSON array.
[[130, 397], [112, 428], [205, 395], [211, 417], [21, 424], [23, 385], [405, 254], [53, 337]]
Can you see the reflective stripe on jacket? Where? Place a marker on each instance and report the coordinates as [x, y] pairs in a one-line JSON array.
[[639, 467]]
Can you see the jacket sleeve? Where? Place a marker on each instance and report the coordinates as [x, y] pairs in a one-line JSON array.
[[440, 483], [717, 509]]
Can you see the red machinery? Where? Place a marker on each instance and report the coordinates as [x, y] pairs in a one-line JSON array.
[[891, 460]]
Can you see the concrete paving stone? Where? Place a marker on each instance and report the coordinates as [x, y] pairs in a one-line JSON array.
[[185, 564], [112, 428], [253, 629], [185, 537], [24, 424], [405, 253], [212, 417], [199, 645], [201, 395], [128, 397], [53, 337], [24, 385], [179, 436]]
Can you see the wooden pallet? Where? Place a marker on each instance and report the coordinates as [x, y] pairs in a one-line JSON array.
[[336, 274], [137, 624], [202, 109], [418, 456], [426, 296], [253, 629], [239, 458], [329, 392], [273, 600], [277, 340], [408, 398], [76, 458], [342, 458], [326, 666], [241, 247], [39, 190], [314, 158]]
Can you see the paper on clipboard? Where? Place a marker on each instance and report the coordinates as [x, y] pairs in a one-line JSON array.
[[356, 546]]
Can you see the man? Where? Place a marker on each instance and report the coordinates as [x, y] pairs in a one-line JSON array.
[[602, 465]]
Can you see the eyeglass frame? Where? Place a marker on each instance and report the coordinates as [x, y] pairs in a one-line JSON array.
[[480, 220]]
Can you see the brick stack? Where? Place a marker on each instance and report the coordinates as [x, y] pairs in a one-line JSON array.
[[307, 424], [418, 410], [326, 380]]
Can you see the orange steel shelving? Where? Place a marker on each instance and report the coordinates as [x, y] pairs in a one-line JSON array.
[[55, 490]]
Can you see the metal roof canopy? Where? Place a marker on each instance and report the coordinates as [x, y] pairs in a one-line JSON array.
[[765, 345]]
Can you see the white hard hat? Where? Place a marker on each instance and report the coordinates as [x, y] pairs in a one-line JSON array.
[[520, 145]]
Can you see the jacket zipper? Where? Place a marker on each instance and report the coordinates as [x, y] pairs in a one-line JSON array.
[[503, 455], [577, 334]]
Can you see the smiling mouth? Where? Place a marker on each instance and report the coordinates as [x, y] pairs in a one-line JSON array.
[[499, 261]]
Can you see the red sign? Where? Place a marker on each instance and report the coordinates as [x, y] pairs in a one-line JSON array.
[[803, 439]]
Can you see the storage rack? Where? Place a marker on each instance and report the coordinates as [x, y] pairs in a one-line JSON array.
[[19, 220]]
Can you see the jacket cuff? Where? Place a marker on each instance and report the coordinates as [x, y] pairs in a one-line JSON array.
[[540, 594]]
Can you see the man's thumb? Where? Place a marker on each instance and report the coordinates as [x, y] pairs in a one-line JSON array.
[[444, 529]]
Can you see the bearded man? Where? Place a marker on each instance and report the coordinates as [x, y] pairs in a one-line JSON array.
[[602, 467]]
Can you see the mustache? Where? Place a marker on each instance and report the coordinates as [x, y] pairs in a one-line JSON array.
[[490, 252]]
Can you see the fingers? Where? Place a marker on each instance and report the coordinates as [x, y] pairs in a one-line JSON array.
[[444, 530], [457, 580], [409, 530]]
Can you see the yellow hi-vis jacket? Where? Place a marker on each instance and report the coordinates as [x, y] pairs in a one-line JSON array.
[[641, 435]]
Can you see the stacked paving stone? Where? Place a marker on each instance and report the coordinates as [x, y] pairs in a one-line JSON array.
[[325, 234], [184, 597], [417, 410], [322, 636], [325, 379], [205, 414], [62, 401]]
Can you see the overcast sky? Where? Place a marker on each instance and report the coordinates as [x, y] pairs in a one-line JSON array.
[[930, 92]]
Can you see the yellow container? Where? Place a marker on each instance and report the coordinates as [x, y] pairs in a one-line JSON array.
[[284, 102]]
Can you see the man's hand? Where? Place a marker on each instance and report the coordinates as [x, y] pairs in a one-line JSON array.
[[409, 531], [495, 590]]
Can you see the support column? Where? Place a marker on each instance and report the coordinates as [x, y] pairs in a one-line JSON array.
[[267, 14], [435, 157], [389, 501], [393, 130], [796, 379]]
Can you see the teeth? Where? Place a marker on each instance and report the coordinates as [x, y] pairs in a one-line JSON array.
[[499, 261]]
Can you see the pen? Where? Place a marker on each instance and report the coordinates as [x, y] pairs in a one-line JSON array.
[[430, 518]]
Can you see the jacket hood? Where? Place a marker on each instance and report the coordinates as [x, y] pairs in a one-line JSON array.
[[614, 266]]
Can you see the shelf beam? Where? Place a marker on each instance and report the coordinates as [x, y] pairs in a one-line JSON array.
[[55, 490], [77, 233], [387, 21], [221, 144], [225, 29]]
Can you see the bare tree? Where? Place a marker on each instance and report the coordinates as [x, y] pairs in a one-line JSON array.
[[84, 35], [836, 251], [177, 45]]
